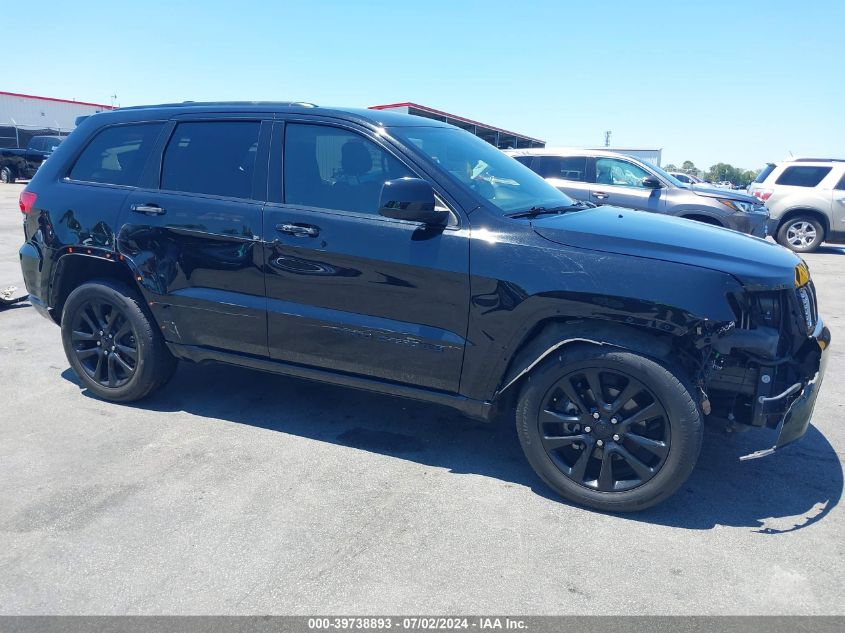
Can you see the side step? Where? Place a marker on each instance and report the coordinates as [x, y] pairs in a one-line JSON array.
[[475, 409]]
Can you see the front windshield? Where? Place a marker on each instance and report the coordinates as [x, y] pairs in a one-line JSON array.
[[502, 181]]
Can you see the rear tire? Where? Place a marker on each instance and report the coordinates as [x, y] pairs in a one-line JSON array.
[[801, 234], [7, 176], [112, 343], [596, 451]]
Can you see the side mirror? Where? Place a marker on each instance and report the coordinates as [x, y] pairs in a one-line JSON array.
[[650, 182], [410, 199]]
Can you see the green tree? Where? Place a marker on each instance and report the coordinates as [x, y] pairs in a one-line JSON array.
[[688, 167], [749, 176], [724, 171], [670, 167]]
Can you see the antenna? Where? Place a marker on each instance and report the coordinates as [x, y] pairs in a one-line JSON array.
[[607, 138], [113, 100]]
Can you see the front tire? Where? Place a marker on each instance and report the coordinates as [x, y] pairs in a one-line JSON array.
[[802, 234], [112, 344], [608, 428]]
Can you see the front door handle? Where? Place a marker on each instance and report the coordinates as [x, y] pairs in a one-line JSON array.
[[299, 230], [149, 209], [601, 195], [841, 200]]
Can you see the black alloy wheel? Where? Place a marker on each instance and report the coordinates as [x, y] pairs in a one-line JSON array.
[[604, 429], [113, 343], [105, 343], [609, 427]]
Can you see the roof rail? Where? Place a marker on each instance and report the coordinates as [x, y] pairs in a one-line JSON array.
[[817, 160], [301, 104]]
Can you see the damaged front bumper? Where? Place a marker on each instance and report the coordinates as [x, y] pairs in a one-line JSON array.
[[10, 295], [794, 405]]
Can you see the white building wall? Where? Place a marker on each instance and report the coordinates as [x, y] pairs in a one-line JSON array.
[[37, 112]]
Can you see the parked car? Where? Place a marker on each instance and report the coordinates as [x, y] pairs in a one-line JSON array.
[[806, 198], [687, 179], [405, 256], [23, 163], [606, 177]]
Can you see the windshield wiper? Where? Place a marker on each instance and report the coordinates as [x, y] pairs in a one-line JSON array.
[[533, 212]]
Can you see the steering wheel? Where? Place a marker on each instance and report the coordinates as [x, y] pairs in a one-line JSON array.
[[483, 188]]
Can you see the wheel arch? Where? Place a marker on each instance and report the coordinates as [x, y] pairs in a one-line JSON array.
[[552, 336], [74, 269], [815, 213], [704, 218]]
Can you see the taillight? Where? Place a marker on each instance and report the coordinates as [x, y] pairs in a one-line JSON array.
[[27, 201], [763, 194]]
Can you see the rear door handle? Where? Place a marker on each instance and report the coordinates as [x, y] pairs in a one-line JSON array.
[[601, 195], [299, 230], [149, 209]]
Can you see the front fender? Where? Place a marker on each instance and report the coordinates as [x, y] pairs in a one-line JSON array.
[[520, 286]]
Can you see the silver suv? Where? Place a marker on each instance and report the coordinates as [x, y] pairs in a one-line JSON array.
[[806, 198], [603, 177]]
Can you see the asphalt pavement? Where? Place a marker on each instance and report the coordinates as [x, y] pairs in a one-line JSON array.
[[237, 492]]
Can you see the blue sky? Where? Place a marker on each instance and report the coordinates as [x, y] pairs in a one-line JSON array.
[[739, 82]]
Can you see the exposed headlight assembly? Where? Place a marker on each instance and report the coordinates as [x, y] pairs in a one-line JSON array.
[[745, 207]]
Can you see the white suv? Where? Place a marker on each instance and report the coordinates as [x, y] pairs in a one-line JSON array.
[[806, 199]]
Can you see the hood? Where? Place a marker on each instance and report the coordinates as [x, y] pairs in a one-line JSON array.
[[730, 194], [756, 263]]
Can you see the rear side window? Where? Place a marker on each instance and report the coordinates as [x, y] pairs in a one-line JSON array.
[[117, 155], [802, 176], [525, 160], [211, 157], [768, 169], [565, 167]]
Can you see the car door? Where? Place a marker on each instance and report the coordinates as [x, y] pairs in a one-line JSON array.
[[194, 233], [569, 174], [619, 182], [348, 289]]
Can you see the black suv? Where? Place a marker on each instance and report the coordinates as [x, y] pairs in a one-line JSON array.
[[402, 255]]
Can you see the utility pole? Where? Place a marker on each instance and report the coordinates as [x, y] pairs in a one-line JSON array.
[[607, 138], [113, 100]]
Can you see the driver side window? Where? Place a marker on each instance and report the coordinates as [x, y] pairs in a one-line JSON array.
[[332, 168], [613, 171]]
